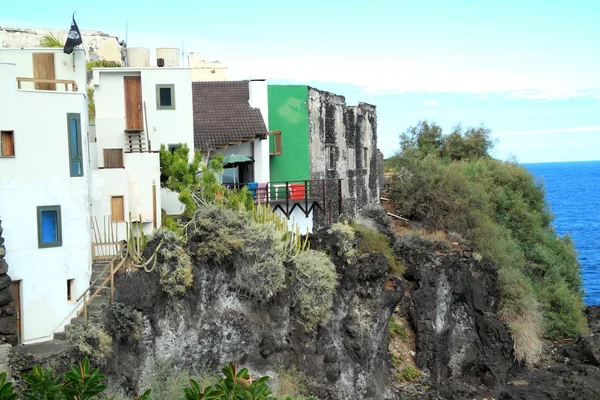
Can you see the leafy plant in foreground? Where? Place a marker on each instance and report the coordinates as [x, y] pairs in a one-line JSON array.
[[41, 385], [83, 383], [6, 390]]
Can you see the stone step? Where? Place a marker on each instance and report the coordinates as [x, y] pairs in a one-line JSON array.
[[59, 336]]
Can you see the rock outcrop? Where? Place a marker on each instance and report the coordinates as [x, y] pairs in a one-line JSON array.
[[8, 314], [345, 359]]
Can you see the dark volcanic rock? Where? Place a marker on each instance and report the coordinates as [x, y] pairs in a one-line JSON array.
[[346, 358]]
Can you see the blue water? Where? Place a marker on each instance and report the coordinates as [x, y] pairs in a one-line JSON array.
[[573, 191]]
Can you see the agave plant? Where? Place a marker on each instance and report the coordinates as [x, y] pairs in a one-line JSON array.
[[51, 40], [83, 383]]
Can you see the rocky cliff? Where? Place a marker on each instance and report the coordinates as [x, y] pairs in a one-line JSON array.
[[346, 358]]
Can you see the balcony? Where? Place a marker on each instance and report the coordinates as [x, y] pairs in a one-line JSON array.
[[48, 84]]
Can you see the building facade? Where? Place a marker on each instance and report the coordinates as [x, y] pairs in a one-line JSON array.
[[44, 185], [316, 136]]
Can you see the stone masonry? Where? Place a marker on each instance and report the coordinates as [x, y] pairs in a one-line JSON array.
[[8, 314]]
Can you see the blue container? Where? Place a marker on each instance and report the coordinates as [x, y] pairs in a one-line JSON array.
[[252, 186]]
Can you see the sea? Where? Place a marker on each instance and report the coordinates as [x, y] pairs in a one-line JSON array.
[[573, 191]]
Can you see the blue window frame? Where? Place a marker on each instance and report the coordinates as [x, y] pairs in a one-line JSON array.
[[49, 226], [75, 156]]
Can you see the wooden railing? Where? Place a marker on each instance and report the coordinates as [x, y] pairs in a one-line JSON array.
[[106, 240], [112, 267], [66, 82]]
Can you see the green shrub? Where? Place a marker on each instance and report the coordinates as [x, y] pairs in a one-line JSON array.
[[500, 209], [409, 374], [315, 283], [91, 340], [345, 240], [218, 234], [259, 269], [373, 241], [396, 329], [291, 383], [102, 64], [379, 217], [125, 323], [173, 263]]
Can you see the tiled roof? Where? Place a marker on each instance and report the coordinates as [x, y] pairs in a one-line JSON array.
[[223, 116]]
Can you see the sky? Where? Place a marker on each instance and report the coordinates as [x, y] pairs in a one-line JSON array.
[[529, 70]]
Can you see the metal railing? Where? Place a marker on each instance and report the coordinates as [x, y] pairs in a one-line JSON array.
[[66, 82]]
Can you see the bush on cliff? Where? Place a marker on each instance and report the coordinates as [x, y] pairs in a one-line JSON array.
[[173, 263], [315, 282], [90, 339], [451, 183], [371, 240]]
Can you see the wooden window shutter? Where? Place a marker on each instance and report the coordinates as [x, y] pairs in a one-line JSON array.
[[117, 208], [113, 158], [7, 141], [275, 145]]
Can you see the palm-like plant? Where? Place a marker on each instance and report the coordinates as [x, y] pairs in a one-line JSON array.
[[82, 383], [51, 40]]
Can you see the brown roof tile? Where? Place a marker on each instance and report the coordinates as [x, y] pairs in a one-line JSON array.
[[222, 115]]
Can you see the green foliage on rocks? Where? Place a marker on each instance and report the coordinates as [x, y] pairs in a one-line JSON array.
[[91, 340], [315, 283], [450, 183], [174, 264], [371, 240], [125, 323]]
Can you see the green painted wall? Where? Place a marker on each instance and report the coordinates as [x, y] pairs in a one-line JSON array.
[[288, 113]]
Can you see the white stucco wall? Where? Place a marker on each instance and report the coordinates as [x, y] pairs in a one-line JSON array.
[[163, 126], [259, 98], [63, 66], [39, 175], [299, 219], [134, 183], [170, 202]]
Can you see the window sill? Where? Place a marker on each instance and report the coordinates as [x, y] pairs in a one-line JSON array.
[[7, 157], [49, 245]]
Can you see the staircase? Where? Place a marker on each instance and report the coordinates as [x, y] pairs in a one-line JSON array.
[[135, 141]]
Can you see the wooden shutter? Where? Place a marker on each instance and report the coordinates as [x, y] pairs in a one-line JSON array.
[[276, 147], [117, 208], [113, 158], [43, 68], [7, 140]]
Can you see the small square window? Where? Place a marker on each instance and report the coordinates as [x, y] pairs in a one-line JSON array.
[[7, 144], [70, 289], [330, 157], [351, 159], [275, 144], [165, 97], [49, 226]]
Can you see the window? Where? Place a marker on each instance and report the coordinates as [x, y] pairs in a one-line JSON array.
[[275, 145], [75, 157], [70, 289], [365, 157], [165, 97], [117, 208], [113, 158], [49, 226], [330, 157], [173, 147], [7, 144], [351, 159]]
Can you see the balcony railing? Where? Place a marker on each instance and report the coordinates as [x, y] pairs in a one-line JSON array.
[[66, 82], [307, 195]]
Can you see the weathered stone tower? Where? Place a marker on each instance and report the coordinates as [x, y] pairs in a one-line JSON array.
[[8, 314]]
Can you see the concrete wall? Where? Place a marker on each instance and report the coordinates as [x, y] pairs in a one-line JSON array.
[[97, 45], [170, 202], [259, 98], [333, 123], [206, 71], [63, 66], [288, 113], [39, 175]]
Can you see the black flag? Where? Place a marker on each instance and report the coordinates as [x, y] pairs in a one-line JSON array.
[[73, 38]]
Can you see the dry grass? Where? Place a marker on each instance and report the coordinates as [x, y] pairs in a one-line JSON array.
[[526, 330]]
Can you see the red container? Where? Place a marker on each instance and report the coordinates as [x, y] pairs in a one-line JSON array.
[[297, 191]]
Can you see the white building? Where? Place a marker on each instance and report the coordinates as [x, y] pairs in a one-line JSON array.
[[137, 110], [44, 180]]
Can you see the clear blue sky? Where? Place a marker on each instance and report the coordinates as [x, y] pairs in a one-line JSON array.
[[529, 70]]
